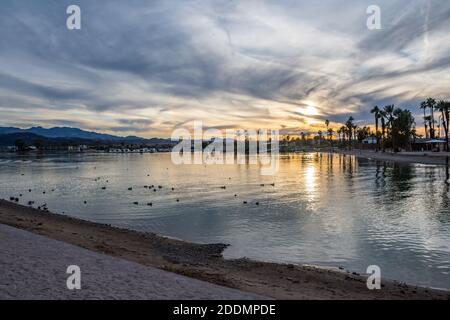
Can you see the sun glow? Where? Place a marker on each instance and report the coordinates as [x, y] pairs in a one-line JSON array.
[[309, 111]]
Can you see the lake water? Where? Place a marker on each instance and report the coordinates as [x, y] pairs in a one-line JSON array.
[[329, 210]]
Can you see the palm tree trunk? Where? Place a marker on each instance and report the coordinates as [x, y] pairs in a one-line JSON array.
[[446, 121], [376, 133], [432, 123], [425, 123]]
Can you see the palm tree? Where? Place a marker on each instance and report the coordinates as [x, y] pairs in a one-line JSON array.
[[424, 106], [342, 132], [389, 111], [349, 129], [330, 132], [430, 121], [376, 112], [363, 133], [438, 126], [383, 128], [444, 108], [320, 133], [431, 104], [355, 132], [302, 135]]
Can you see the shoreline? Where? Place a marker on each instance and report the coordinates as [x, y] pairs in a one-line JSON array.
[[27, 260], [205, 261], [426, 158]]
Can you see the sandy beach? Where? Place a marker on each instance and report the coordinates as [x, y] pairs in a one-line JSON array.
[[430, 158], [34, 267], [205, 261]]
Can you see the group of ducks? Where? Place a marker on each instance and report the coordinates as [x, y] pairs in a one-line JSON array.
[[30, 203], [150, 187]]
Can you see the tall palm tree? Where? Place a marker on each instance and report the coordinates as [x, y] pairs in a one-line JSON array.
[[429, 119], [330, 134], [349, 125], [327, 123], [383, 128], [438, 134], [444, 108], [431, 104], [303, 136], [376, 112], [424, 106], [342, 132], [389, 111]]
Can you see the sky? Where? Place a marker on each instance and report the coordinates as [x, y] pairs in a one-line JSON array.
[[148, 67]]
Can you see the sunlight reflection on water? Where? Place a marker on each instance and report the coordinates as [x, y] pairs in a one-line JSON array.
[[323, 209]]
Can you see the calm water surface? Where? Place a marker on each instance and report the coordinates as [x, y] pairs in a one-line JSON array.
[[324, 209]]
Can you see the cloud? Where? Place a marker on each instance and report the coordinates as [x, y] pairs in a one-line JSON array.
[[147, 68]]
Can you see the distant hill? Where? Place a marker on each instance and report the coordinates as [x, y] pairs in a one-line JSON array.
[[30, 139], [7, 130], [66, 133], [10, 138]]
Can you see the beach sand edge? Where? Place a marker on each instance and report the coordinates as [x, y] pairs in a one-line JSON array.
[[205, 261]]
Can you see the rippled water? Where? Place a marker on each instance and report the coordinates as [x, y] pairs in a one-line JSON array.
[[330, 210]]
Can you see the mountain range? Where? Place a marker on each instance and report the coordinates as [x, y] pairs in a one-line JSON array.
[[67, 133]]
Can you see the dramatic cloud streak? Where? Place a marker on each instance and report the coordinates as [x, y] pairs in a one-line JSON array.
[[148, 66]]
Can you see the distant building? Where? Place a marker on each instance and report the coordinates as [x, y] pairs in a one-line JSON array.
[[9, 149], [127, 150], [436, 145], [370, 140]]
